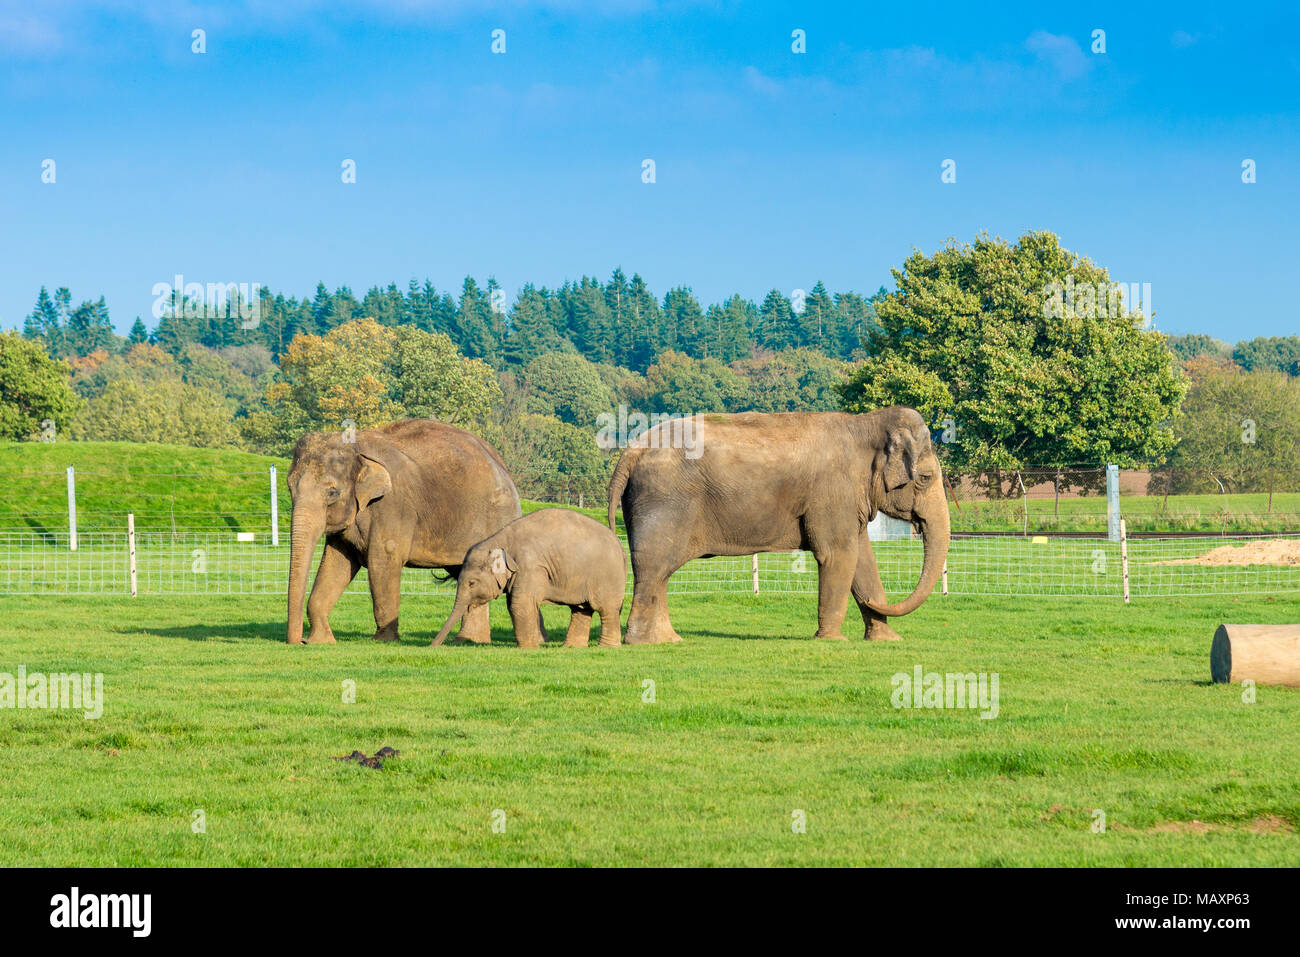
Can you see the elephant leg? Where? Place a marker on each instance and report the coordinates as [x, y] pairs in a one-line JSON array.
[[579, 628], [648, 622], [834, 581], [610, 635], [524, 614], [338, 566], [476, 626], [868, 587], [385, 561]]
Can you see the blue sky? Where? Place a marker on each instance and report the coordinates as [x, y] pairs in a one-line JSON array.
[[773, 169]]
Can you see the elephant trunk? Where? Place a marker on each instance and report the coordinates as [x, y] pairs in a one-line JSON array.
[[935, 534], [457, 613], [306, 528]]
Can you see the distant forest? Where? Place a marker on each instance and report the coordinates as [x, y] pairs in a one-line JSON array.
[[619, 322]]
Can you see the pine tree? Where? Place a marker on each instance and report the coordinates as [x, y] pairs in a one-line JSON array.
[[778, 326], [43, 324], [818, 323], [684, 322], [139, 333], [472, 325]]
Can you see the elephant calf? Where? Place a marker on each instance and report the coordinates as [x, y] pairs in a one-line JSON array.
[[551, 555]]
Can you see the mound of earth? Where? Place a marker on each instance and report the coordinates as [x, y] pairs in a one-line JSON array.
[[1276, 551]]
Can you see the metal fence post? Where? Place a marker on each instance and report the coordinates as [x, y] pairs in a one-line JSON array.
[[1123, 555], [275, 510], [72, 510], [1112, 503], [130, 548]]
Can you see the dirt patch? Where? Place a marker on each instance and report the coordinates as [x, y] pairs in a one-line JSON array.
[[1183, 827], [1270, 824], [1276, 551]]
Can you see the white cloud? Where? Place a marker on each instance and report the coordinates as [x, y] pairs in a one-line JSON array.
[[1061, 52]]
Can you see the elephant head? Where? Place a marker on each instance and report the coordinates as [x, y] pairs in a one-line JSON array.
[[907, 483], [485, 575], [331, 482]]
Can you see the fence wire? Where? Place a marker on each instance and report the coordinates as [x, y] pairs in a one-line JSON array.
[[214, 561]]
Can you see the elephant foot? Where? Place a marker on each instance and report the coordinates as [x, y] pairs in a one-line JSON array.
[[660, 634], [880, 631], [475, 638], [829, 636], [321, 638], [386, 634], [613, 642]]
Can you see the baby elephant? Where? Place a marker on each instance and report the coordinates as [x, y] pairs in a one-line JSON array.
[[551, 555]]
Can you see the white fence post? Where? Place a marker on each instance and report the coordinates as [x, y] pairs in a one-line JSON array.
[[275, 510], [945, 578], [72, 510], [755, 567], [1123, 554], [130, 548]]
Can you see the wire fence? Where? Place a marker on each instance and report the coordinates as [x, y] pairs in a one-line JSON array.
[[215, 561]]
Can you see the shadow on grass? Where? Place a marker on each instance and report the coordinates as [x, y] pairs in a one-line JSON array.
[[275, 631]]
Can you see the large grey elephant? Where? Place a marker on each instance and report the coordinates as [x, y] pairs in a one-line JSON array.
[[739, 484], [416, 493]]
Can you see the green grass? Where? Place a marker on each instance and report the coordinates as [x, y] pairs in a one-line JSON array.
[[1101, 707]]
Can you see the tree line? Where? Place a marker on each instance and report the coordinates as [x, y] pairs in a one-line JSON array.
[[964, 336]]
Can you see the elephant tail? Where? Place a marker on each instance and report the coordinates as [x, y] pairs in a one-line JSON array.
[[619, 482]]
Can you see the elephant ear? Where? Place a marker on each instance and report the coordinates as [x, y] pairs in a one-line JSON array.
[[900, 458], [503, 566], [373, 482]]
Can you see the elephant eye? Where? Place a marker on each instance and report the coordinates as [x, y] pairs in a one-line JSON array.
[[331, 495]]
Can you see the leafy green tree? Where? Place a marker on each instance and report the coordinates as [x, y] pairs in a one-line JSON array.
[[568, 387], [1030, 383], [553, 460], [368, 374], [160, 410], [1196, 344], [1238, 429], [1279, 353], [33, 389], [795, 380], [679, 384]]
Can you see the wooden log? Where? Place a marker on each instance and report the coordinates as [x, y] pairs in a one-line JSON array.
[[1265, 654]]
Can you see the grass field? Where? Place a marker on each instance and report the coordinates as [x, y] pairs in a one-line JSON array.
[[1102, 707]]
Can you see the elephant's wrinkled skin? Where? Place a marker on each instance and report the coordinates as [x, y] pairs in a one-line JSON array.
[[757, 482], [552, 555], [416, 493]]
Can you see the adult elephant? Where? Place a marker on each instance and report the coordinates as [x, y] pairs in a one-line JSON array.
[[416, 493], [739, 484]]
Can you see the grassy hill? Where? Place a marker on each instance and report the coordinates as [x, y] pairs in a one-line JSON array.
[[163, 485], [169, 486]]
